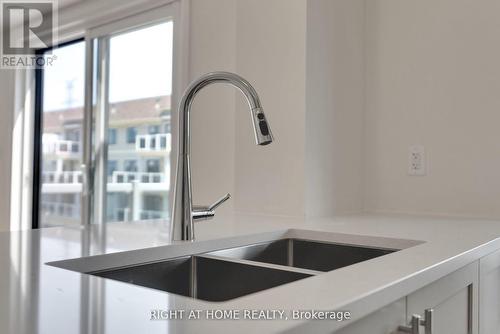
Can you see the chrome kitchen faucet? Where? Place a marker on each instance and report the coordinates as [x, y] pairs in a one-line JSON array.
[[184, 213]]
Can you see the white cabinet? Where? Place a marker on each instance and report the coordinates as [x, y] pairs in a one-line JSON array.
[[383, 321], [453, 299], [489, 294]]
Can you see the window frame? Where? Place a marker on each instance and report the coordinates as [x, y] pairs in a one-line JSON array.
[[154, 129], [128, 163], [93, 203], [102, 35], [113, 131], [129, 135], [150, 162], [112, 170], [37, 133]]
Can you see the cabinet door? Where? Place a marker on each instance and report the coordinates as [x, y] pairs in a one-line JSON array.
[[489, 293], [383, 321], [454, 300]]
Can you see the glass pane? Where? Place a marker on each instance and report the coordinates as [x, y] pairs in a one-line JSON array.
[[61, 156], [140, 87]]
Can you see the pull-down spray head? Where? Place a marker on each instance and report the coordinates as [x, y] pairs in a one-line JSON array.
[[263, 135]]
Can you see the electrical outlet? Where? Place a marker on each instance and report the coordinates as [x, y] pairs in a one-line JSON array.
[[416, 161]]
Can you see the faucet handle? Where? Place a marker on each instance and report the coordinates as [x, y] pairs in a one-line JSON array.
[[204, 212], [219, 202]]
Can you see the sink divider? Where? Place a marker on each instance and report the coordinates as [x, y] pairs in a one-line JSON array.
[[261, 264], [290, 252], [193, 279]]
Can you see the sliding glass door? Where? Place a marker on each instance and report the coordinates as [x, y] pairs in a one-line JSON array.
[[105, 121], [139, 123]]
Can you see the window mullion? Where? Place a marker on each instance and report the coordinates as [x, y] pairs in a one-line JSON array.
[[87, 162], [101, 119]]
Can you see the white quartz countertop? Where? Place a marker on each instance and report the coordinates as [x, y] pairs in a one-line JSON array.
[[40, 298]]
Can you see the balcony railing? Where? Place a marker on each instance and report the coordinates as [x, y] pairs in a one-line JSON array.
[[69, 177], [141, 177], [66, 177], [160, 142], [61, 209], [125, 214], [61, 147], [125, 182], [150, 214], [119, 215]]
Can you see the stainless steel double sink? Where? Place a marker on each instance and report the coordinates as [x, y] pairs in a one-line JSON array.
[[234, 272]]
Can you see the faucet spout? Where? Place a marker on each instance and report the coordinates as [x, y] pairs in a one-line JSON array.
[[184, 213]]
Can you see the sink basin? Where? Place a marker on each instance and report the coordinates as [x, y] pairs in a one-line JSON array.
[[204, 277], [224, 269], [312, 255]]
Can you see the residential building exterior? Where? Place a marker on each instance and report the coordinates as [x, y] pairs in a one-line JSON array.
[[138, 162]]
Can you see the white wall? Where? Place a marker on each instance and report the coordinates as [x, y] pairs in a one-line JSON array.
[[335, 107], [271, 55], [433, 78], [305, 59], [239, 36]]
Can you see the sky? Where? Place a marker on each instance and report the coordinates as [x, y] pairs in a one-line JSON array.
[[140, 67]]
